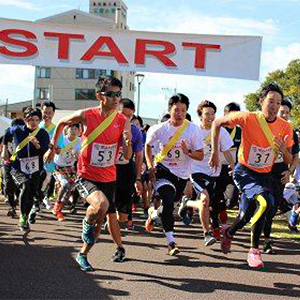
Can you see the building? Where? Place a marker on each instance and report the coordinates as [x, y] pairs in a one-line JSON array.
[[72, 88]]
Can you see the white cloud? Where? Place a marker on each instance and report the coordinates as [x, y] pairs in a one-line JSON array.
[[19, 4], [17, 83], [279, 57], [193, 22]]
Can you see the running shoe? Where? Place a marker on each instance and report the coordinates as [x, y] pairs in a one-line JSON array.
[[83, 262], [173, 249], [293, 229], [268, 247], [119, 255], [12, 212], [134, 207], [182, 211], [88, 233], [23, 223], [47, 203], [36, 206], [59, 216], [32, 215], [73, 210], [254, 258], [293, 221], [129, 224], [146, 215], [149, 225], [106, 227], [223, 216], [225, 240], [216, 233], [209, 239]]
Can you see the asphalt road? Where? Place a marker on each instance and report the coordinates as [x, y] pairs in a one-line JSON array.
[[41, 265]]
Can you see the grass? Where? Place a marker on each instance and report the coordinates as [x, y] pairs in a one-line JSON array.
[[280, 229]]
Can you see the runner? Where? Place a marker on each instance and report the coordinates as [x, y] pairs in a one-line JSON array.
[[263, 135], [65, 160], [129, 171], [281, 176], [180, 142], [27, 161], [104, 129], [203, 177], [10, 189]]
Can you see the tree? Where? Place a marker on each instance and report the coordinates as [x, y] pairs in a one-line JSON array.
[[289, 81]]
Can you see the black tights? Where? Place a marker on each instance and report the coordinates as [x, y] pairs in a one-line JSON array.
[[247, 210], [167, 195]]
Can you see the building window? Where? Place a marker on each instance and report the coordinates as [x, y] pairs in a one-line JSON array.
[[42, 93], [91, 73], [43, 72], [85, 94]]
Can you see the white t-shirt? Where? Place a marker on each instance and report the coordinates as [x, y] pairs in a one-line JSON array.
[[225, 144], [68, 158], [176, 161]]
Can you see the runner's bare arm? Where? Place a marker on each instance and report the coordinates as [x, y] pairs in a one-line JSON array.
[[150, 163], [229, 158], [138, 169], [197, 154], [127, 148], [215, 134], [286, 152]]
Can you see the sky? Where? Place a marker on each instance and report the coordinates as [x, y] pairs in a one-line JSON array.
[[276, 21]]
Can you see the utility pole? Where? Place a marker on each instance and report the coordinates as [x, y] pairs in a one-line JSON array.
[[6, 107]]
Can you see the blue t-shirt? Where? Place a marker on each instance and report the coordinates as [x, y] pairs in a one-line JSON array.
[[137, 138]]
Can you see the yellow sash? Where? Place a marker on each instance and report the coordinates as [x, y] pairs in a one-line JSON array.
[[267, 131], [98, 130], [207, 140], [233, 132], [50, 127], [68, 146], [24, 143], [171, 142]]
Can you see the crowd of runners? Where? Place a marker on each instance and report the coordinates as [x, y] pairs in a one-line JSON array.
[[105, 157]]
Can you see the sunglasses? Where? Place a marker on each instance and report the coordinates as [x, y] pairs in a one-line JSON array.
[[112, 94]]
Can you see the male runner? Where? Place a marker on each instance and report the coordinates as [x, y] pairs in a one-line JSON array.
[[180, 142], [96, 163], [263, 136]]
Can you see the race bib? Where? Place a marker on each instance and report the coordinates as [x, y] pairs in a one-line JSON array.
[[29, 165], [260, 157], [103, 155], [120, 158], [175, 155]]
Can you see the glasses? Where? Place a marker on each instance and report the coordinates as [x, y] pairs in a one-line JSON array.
[[112, 94]]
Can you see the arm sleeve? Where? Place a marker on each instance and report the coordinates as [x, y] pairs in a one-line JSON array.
[[197, 139], [237, 118], [152, 136]]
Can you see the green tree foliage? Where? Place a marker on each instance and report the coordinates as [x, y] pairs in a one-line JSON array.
[[289, 81]]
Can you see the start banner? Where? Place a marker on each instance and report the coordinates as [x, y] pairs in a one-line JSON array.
[[44, 44]]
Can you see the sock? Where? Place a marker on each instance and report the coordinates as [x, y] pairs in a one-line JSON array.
[[169, 236]]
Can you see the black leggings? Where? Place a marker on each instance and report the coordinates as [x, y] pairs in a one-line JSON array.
[[28, 185], [247, 210], [167, 195]]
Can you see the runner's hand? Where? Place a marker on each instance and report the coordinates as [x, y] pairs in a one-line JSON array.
[[280, 143], [35, 142], [152, 176], [48, 156], [127, 136], [184, 147], [214, 160], [138, 187], [285, 177]]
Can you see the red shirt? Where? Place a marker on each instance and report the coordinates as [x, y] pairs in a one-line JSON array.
[[97, 161]]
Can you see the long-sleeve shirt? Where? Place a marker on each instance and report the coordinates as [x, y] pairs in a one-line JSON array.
[[29, 153]]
